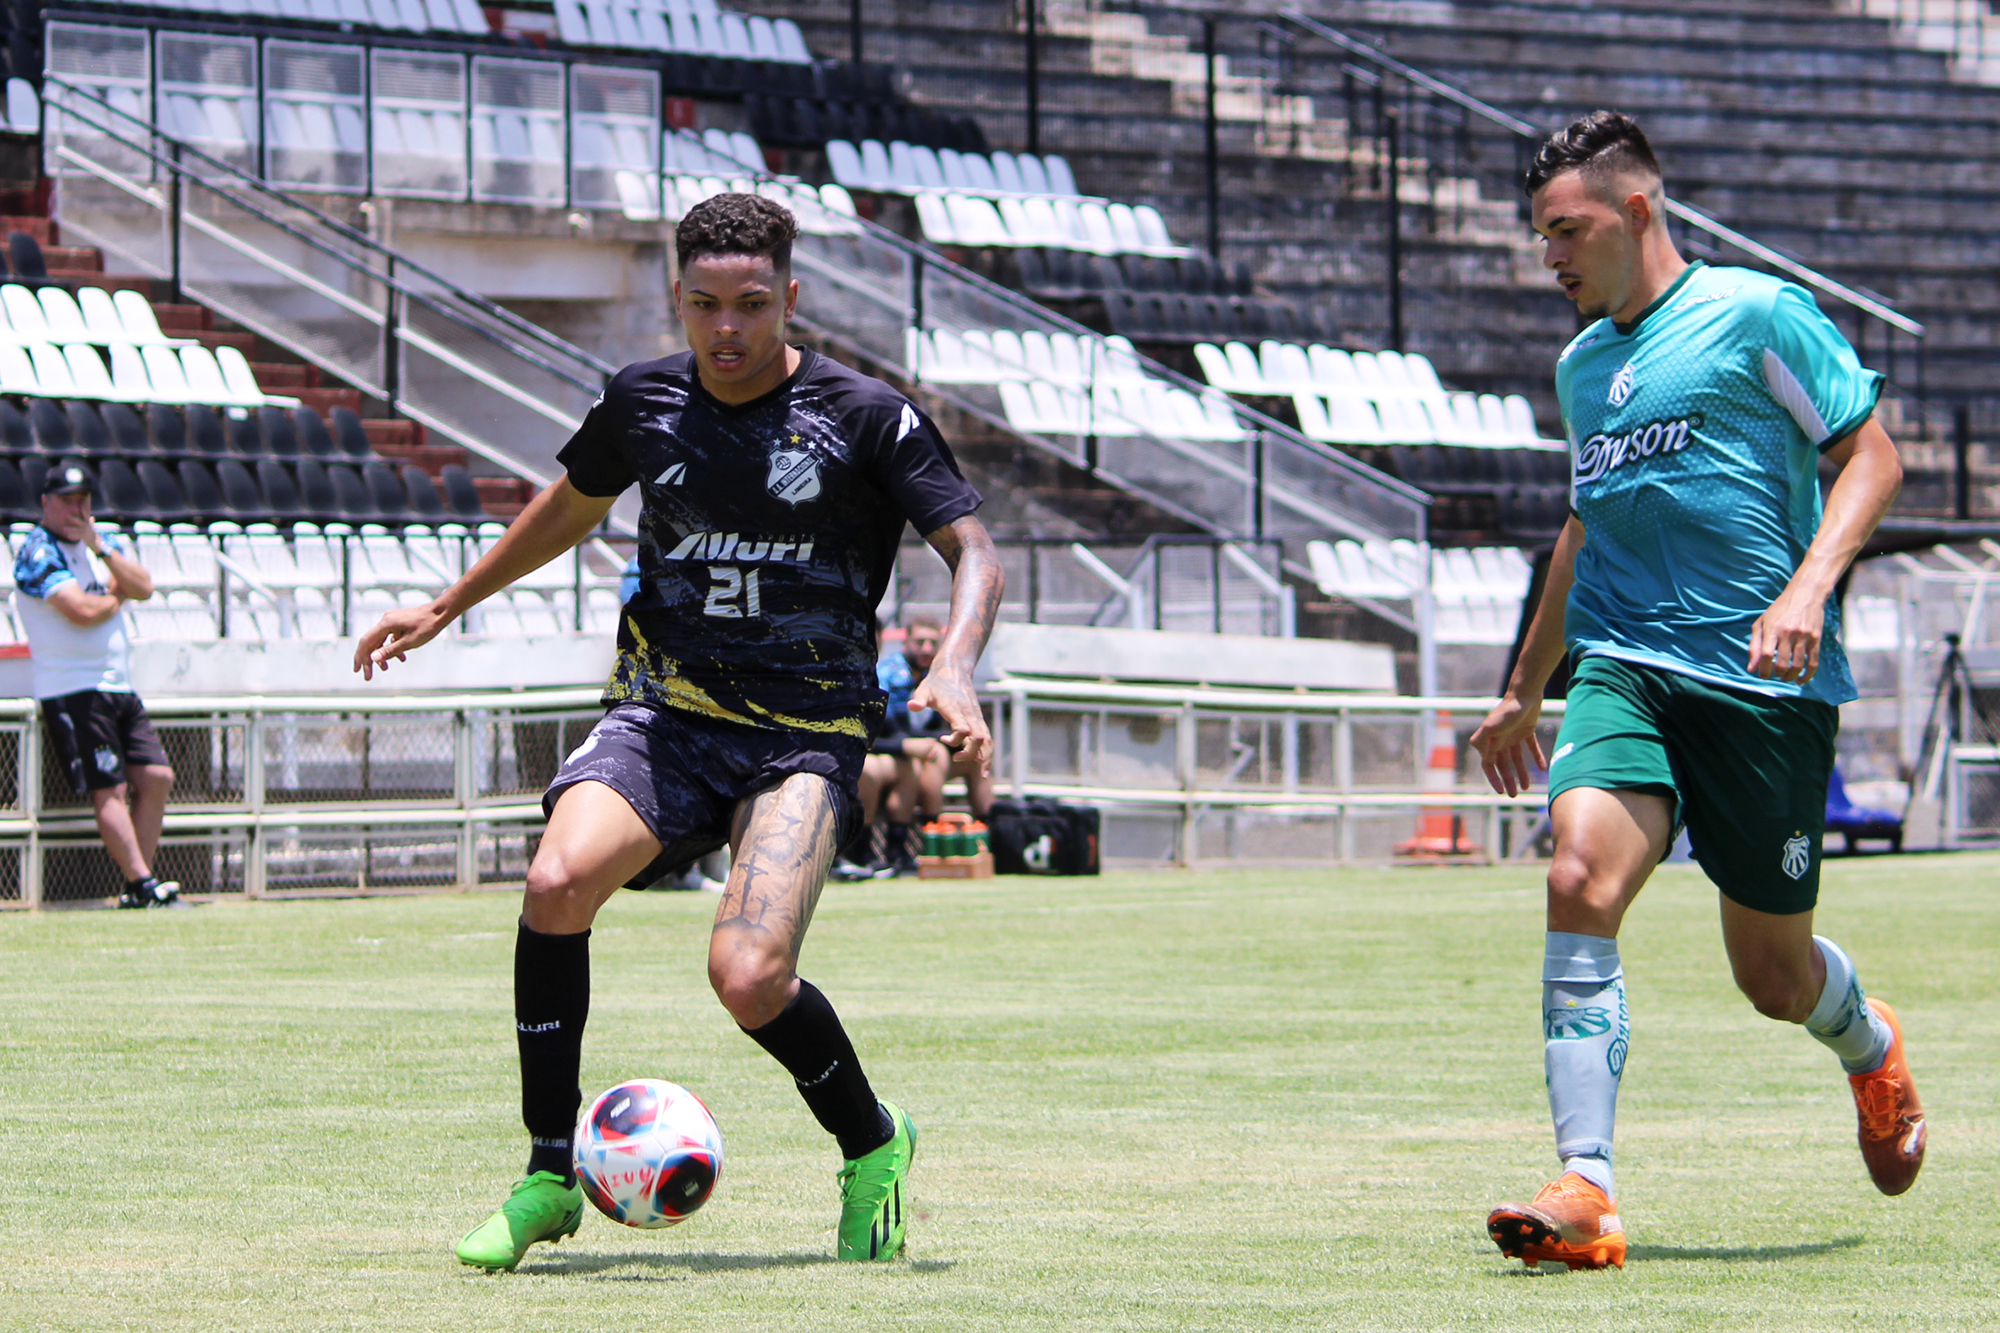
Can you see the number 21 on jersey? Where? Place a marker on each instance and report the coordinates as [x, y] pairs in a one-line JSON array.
[[732, 594]]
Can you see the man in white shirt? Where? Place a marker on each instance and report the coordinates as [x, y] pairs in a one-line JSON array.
[[74, 583]]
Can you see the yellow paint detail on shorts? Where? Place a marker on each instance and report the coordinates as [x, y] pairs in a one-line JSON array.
[[643, 675]]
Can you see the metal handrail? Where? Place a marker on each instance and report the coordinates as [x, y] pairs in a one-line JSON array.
[[1013, 300], [394, 259], [1804, 273]]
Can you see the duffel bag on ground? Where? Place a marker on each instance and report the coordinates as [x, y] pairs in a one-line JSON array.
[[1037, 836]]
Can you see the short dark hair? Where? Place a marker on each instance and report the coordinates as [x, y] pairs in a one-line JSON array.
[[1601, 144], [737, 224]]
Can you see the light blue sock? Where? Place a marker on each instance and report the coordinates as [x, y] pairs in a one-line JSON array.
[[1587, 1030], [1842, 1020]]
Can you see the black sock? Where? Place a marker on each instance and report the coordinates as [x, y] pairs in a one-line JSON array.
[[896, 843], [551, 1002], [809, 1042]]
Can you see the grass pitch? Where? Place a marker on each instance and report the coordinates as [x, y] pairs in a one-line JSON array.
[[1267, 1100]]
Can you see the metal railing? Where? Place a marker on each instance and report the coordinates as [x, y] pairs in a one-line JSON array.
[[454, 361], [364, 793]]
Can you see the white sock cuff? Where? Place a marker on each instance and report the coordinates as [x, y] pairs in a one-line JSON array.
[[1839, 983], [1568, 957]]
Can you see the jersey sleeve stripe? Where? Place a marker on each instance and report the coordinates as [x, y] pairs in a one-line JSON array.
[[1792, 396]]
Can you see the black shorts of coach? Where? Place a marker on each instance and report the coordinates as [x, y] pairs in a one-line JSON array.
[[96, 734], [684, 774]]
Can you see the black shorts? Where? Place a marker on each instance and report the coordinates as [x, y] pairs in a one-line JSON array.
[[685, 775], [97, 734]]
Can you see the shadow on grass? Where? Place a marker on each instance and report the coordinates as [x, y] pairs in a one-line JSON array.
[[678, 1267], [1744, 1254]]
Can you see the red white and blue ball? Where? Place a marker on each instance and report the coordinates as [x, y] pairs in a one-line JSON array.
[[648, 1153]]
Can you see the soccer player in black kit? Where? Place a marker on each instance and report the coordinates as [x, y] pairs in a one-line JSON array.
[[775, 485]]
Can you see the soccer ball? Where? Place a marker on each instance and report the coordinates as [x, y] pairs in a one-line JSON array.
[[647, 1153]]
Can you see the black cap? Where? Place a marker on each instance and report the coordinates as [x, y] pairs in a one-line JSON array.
[[69, 477]]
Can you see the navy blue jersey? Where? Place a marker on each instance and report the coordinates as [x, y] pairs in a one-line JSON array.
[[767, 533]]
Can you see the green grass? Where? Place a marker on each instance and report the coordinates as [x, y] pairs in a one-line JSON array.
[[1268, 1100]]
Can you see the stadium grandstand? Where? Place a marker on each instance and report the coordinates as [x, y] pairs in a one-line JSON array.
[[1232, 314]]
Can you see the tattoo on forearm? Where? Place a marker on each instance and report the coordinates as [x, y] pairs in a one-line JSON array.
[[784, 842]]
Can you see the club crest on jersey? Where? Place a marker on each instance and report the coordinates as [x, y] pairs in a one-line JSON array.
[[794, 476], [1798, 856], [1622, 385]]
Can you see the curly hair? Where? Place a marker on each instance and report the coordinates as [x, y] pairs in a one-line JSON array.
[[1602, 144], [737, 224]]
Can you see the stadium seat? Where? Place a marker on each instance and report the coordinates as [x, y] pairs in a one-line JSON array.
[[50, 425], [239, 490], [386, 493], [460, 494], [245, 433], [168, 430], [314, 439], [127, 431], [204, 497], [24, 253], [281, 496], [124, 496], [351, 500], [34, 470], [317, 496], [280, 438], [163, 493], [424, 502], [204, 432], [14, 499], [87, 432], [349, 435]]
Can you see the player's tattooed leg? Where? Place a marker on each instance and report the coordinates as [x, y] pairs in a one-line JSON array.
[[783, 843]]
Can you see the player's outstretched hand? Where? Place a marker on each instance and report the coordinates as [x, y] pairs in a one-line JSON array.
[[1785, 640], [1506, 742], [951, 693], [395, 634]]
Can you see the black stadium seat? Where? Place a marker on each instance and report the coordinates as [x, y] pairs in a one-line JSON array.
[[164, 493], [461, 494], [124, 496], [314, 439], [15, 437], [280, 439], [316, 493], [34, 470], [87, 433], [50, 426], [204, 497], [281, 496], [204, 434], [128, 433], [391, 501], [25, 253], [239, 489], [14, 501], [246, 436], [351, 501], [425, 502], [168, 430], [347, 433]]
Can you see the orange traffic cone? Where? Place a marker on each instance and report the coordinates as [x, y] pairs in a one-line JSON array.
[[1440, 829]]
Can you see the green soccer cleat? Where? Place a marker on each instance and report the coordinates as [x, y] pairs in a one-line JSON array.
[[540, 1208], [872, 1217]]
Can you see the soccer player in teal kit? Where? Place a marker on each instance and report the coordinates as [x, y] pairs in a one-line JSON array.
[[1692, 590]]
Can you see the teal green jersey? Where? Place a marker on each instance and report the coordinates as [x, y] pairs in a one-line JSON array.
[[1695, 435]]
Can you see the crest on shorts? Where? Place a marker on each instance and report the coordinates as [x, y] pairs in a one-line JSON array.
[[1622, 385], [1798, 856], [794, 476], [106, 760]]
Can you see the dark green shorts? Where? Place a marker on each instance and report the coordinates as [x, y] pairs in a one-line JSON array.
[[1747, 772]]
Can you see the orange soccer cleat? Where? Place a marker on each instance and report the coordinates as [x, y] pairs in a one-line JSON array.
[[1570, 1222], [1893, 1131]]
